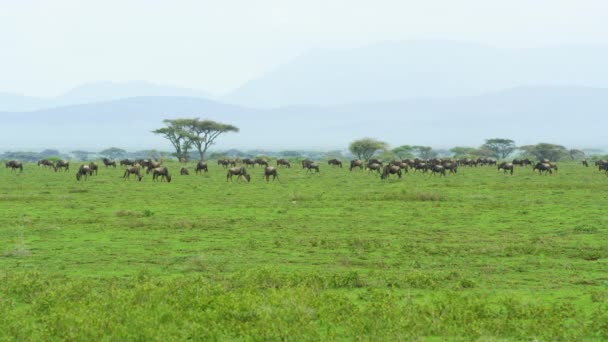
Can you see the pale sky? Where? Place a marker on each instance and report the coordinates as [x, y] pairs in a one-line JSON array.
[[48, 47]]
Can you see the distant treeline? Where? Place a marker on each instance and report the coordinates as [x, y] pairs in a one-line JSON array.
[[496, 148]]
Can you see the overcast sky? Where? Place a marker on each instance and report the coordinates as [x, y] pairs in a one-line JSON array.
[[47, 47]]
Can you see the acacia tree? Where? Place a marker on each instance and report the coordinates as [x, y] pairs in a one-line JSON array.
[[404, 151], [541, 151], [202, 133], [175, 133], [366, 147], [499, 147]]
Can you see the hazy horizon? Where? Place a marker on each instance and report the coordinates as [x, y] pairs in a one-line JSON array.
[[52, 47]]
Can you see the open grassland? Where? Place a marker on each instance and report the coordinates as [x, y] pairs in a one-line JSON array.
[[335, 255]]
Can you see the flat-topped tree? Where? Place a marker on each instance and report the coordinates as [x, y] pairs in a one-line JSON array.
[[176, 134], [202, 133], [365, 148]]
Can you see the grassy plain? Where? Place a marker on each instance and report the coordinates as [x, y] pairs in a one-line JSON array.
[[331, 256]]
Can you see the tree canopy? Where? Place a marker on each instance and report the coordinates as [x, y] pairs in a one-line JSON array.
[[113, 152], [500, 148], [365, 148], [548, 151]]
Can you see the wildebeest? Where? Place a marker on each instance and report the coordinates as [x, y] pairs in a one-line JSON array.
[[390, 170], [108, 162], [356, 163], [225, 162], [505, 167], [453, 167], [585, 163], [184, 172], [201, 166], [14, 165], [62, 164], [375, 161], [84, 171], [543, 167], [437, 169], [603, 167], [240, 172], [152, 165], [127, 162], [261, 162], [94, 168], [312, 166], [283, 162], [161, 172], [306, 162], [334, 162], [271, 171], [46, 163], [248, 162], [133, 170], [374, 167]]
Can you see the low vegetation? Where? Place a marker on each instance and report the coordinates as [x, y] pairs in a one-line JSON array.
[[339, 254]]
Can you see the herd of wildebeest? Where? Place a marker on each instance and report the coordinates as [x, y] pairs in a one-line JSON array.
[[238, 167]]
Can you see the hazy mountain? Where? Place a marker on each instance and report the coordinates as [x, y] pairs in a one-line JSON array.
[[95, 92], [420, 69], [573, 116]]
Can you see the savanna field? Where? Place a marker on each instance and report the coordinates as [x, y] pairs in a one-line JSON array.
[[339, 255]]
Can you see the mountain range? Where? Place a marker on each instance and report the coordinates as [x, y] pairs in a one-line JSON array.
[[436, 93]]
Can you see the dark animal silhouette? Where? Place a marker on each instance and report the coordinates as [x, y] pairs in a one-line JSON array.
[[505, 167], [184, 172], [14, 165], [84, 171], [438, 169], [585, 163], [283, 162], [94, 167], [270, 171], [240, 172], [543, 167], [133, 170], [127, 162], [312, 166], [334, 162], [108, 162], [374, 167], [200, 167], [390, 170], [62, 164], [356, 163], [261, 162], [151, 165], [46, 163], [306, 162], [248, 162], [162, 173]]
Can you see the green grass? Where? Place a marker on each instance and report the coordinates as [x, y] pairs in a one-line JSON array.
[[335, 255]]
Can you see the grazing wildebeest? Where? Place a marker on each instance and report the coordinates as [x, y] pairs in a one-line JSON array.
[[424, 167], [240, 172], [152, 165], [435, 169], [603, 167], [161, 172], [451, 166], [184, 172], [46, 163], [312, 166], [201, 166], [543, 167], [133, 170], [374, 167], [84, 171], [14, 165], [356, 163], [283, 162], [127, 162], [108, 162], [248, 162], [223, 162], [306, 162], [94, 168], [505, 167], [585, 163], [334, 162], [261, 162], [62, 164], [375, 161], [390, 170], [271, 171]]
